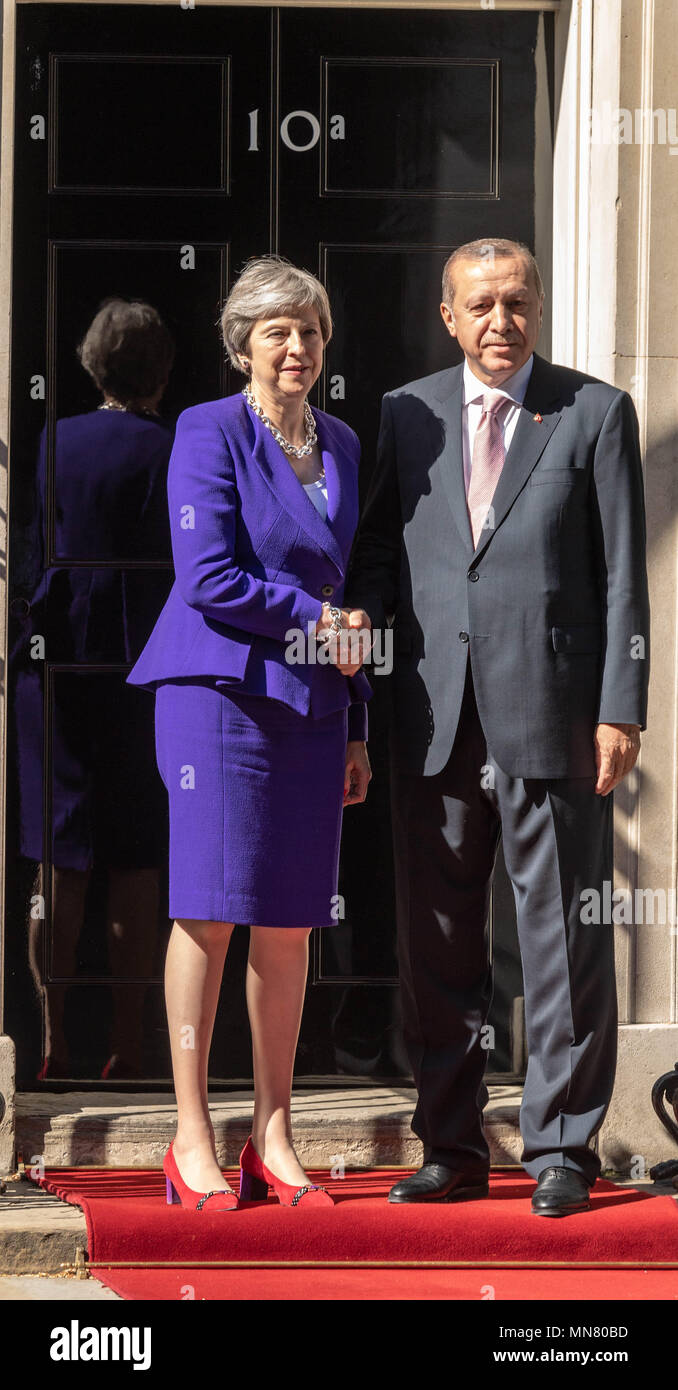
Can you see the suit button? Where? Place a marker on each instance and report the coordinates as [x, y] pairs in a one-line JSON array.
[[473, 576], [463, 636], [327, 590]]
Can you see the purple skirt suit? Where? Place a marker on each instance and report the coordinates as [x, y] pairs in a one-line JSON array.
[[250, 739]]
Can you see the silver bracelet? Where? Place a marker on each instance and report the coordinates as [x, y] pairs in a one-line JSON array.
[[336, 627]]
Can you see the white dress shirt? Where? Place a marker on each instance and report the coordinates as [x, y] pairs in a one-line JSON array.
[[514, 387]]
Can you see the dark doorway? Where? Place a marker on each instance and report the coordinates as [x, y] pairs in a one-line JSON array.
[[157, 148]]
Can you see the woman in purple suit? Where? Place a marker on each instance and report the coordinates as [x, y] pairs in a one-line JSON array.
[[260, 714]]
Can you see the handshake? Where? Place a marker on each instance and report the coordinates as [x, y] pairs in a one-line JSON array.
[[347, 634]]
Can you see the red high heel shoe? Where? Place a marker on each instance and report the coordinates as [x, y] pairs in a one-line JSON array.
[[256, 1178], [117, 1069], [53, 1070], [177, 1191]]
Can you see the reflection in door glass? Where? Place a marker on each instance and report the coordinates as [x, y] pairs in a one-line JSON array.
[[104, 807]]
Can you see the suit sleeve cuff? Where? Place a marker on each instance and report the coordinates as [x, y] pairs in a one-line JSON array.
[[357, 722], [309, 610], [605, 719]]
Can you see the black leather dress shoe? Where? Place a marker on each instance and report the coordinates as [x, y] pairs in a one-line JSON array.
[[435, 1182], [561, 1191]]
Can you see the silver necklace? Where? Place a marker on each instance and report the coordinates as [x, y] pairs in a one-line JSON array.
[[298, 450], [112, 404]]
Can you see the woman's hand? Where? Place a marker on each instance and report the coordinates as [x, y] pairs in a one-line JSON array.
[[348, 649], [358, 773]]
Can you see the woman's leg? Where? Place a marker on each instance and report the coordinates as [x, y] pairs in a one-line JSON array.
[[194, 966], [276, 980]]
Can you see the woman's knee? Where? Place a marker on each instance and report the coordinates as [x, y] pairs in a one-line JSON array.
[[281, 933], [205, 933], [278, 941]]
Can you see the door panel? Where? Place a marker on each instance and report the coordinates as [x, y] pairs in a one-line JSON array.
[[438, 137], [127, 185], [170, 132], [156, 149]]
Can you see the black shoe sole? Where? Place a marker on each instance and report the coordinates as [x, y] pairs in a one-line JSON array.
[[556, 1211], [459, 1194]]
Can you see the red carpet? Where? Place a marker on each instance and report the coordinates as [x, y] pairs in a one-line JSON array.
[[364, 1285], [208, 1254]]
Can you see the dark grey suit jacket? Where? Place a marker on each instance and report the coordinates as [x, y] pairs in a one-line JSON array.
[[552, 604]]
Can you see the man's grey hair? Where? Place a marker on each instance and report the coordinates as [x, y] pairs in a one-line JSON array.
[[488, 249], [268, 287]]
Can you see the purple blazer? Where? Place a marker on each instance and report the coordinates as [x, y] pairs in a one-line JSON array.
[[254, 561]]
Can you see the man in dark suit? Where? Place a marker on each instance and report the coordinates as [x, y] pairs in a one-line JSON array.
[[505, 530]]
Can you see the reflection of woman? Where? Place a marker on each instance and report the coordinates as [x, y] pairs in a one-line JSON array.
[[110, 504], [257, 750]]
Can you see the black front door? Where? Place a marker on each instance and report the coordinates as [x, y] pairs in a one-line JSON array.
[[157, 147]]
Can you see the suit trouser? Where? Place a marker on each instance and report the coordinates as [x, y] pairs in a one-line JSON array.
[[557, 841]]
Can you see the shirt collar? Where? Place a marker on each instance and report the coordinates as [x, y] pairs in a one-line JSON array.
[[514, 387]]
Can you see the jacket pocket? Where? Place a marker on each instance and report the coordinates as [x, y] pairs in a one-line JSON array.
[[584, 637], [555, 475]]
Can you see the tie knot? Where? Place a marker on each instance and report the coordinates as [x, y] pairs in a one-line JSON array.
[[494, 401]]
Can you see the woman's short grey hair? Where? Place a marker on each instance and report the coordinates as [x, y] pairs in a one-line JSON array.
[[127, 349], [268, 287]]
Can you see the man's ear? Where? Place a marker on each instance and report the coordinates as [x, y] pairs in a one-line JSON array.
[[448, 320]]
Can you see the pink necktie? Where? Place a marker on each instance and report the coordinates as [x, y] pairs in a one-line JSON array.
[[488, 459]]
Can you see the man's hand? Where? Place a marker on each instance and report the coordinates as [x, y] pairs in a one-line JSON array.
[[358, 772], [617, 747], [350, 648]]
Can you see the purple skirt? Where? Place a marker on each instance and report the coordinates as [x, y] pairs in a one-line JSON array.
[[255, 806]]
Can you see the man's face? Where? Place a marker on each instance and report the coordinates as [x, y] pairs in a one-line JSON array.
[[496, 316]]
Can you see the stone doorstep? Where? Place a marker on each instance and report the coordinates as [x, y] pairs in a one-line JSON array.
[[370, 1127], [366, 1127], [39, 1234]]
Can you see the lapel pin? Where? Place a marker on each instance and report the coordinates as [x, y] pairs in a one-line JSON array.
[[537, 417]]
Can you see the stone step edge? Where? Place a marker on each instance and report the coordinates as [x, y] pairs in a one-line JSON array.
[[364, 1128]]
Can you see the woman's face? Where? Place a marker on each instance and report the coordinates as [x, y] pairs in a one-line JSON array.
[[286, 355]]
